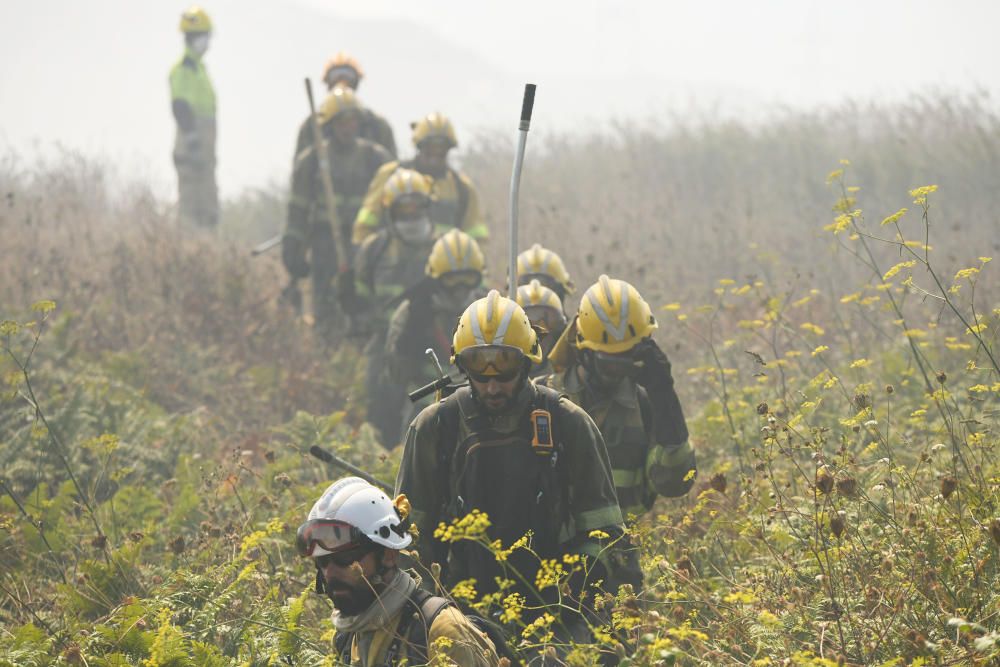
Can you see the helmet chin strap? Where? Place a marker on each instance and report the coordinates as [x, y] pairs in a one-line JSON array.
[[320, 582]]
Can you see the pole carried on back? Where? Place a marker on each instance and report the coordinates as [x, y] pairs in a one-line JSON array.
[[331, 458], [515, 185], [323, 161]]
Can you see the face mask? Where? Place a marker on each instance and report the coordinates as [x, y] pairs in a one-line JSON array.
[[414, 231], [199, 44]]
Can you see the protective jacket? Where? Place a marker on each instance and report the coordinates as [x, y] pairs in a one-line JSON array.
[[308, 227], [373, 127], [456, 204], [351, 170], [646, 461], [457, 459], [193, 105], [384, 268], [450, 639]]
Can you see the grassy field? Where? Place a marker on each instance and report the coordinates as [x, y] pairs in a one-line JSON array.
[[837, 362]]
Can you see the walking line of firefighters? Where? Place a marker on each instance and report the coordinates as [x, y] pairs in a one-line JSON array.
[[563, 429]]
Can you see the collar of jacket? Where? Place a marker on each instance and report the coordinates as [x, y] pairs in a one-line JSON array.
[[626, 394]]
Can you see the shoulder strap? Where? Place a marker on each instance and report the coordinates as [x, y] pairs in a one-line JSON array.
[[416, 627], [429, 605], [342, 642], [463, 197]]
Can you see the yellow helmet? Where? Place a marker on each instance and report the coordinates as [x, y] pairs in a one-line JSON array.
[[433, 125], [406, 183], [613, 317], [542, 306], [537, 294], [545, 265], [455, 251], [337, 102], [343, 60], [195, 20], [494, 337]]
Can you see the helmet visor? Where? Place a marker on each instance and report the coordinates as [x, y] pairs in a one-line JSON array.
[[487, 362], [327, 534]]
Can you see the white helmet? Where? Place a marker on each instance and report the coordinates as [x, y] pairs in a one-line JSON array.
[[348, 510]]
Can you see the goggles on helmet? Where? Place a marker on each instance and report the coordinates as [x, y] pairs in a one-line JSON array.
[[483, 363], [328, 534], [545, 279], [547, 316], [344, 73], [466, 279]]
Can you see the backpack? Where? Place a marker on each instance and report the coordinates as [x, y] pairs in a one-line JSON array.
[[426, 608], [547, 473]]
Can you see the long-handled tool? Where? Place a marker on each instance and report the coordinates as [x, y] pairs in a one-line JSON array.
[[443, 381], [331, 458], [324, 175], [515, 185], [264, 246]]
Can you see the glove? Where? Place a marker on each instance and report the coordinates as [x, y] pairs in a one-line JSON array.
[[654, 375], [669, 427], [293, 255]]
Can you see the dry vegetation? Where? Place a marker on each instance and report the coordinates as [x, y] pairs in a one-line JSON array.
[[840, 379]]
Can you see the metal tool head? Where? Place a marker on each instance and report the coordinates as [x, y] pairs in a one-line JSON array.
[[434, 357]]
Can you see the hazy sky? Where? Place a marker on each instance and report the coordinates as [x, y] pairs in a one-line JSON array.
[[92, 76]]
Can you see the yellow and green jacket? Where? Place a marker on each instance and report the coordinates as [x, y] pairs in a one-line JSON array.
[[456, 204], [644, 465], [193, 103]]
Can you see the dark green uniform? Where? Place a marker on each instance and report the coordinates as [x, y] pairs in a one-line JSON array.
[[193, 103], [415, 326], [384, 268], [457, 459], [308, 223], [649, 457], [373, 127]]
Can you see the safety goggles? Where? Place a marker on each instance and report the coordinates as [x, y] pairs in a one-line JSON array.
[[483, 363], [547, 316], [466, 279], [327, 534], [342, 73]]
